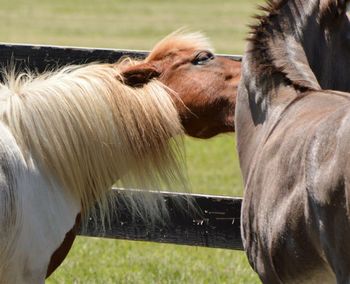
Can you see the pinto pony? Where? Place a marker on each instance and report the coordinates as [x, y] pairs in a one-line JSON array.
[[293, 137], [68, 135]]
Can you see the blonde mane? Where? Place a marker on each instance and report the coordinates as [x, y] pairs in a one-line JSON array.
[[85, 129], [178, 41]]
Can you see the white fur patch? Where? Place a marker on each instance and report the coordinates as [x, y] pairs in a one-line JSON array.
[[45, 213]]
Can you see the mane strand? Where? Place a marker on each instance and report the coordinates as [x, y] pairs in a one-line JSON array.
[[85, 129], [177, 41], [273, 42]]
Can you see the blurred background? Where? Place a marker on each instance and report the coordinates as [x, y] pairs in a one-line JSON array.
[[213, 165]]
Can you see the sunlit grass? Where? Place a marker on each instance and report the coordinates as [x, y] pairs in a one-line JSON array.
[[112, 261], [213, 166], [123, 24]]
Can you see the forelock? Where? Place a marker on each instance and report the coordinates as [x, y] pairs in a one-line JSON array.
[[179, 41]]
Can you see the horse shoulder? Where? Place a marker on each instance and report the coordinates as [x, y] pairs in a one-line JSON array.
[[329, 189], [290, 177]]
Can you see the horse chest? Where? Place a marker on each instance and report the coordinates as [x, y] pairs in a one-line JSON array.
[[45, 213]]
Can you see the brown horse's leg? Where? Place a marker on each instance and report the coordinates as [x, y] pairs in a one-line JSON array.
[[60, 253]]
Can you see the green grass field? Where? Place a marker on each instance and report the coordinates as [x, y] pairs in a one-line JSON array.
[[213, 166]]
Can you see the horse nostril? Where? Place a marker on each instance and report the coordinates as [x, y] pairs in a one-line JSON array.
[[228, 77]]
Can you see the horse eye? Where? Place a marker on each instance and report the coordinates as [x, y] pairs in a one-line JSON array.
[[202, 58]]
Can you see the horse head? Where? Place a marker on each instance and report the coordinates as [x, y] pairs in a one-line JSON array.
[[204, 86]]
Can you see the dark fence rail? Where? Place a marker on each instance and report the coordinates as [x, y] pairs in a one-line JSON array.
[[216, 220], [41, 57]]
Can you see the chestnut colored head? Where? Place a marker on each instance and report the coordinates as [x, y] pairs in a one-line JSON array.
[[204, 85]]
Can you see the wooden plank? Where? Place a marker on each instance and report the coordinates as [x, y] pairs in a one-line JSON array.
[[216, 223], [43, 57], [217, 220]]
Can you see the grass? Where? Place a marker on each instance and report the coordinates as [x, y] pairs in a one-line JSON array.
[[134, 24], [128, 262], [213, 166]]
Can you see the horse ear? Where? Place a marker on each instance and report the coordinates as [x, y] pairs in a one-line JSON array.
[[139, 75]]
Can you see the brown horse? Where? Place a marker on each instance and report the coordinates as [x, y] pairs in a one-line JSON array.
[[293, 138], [202, 86]]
